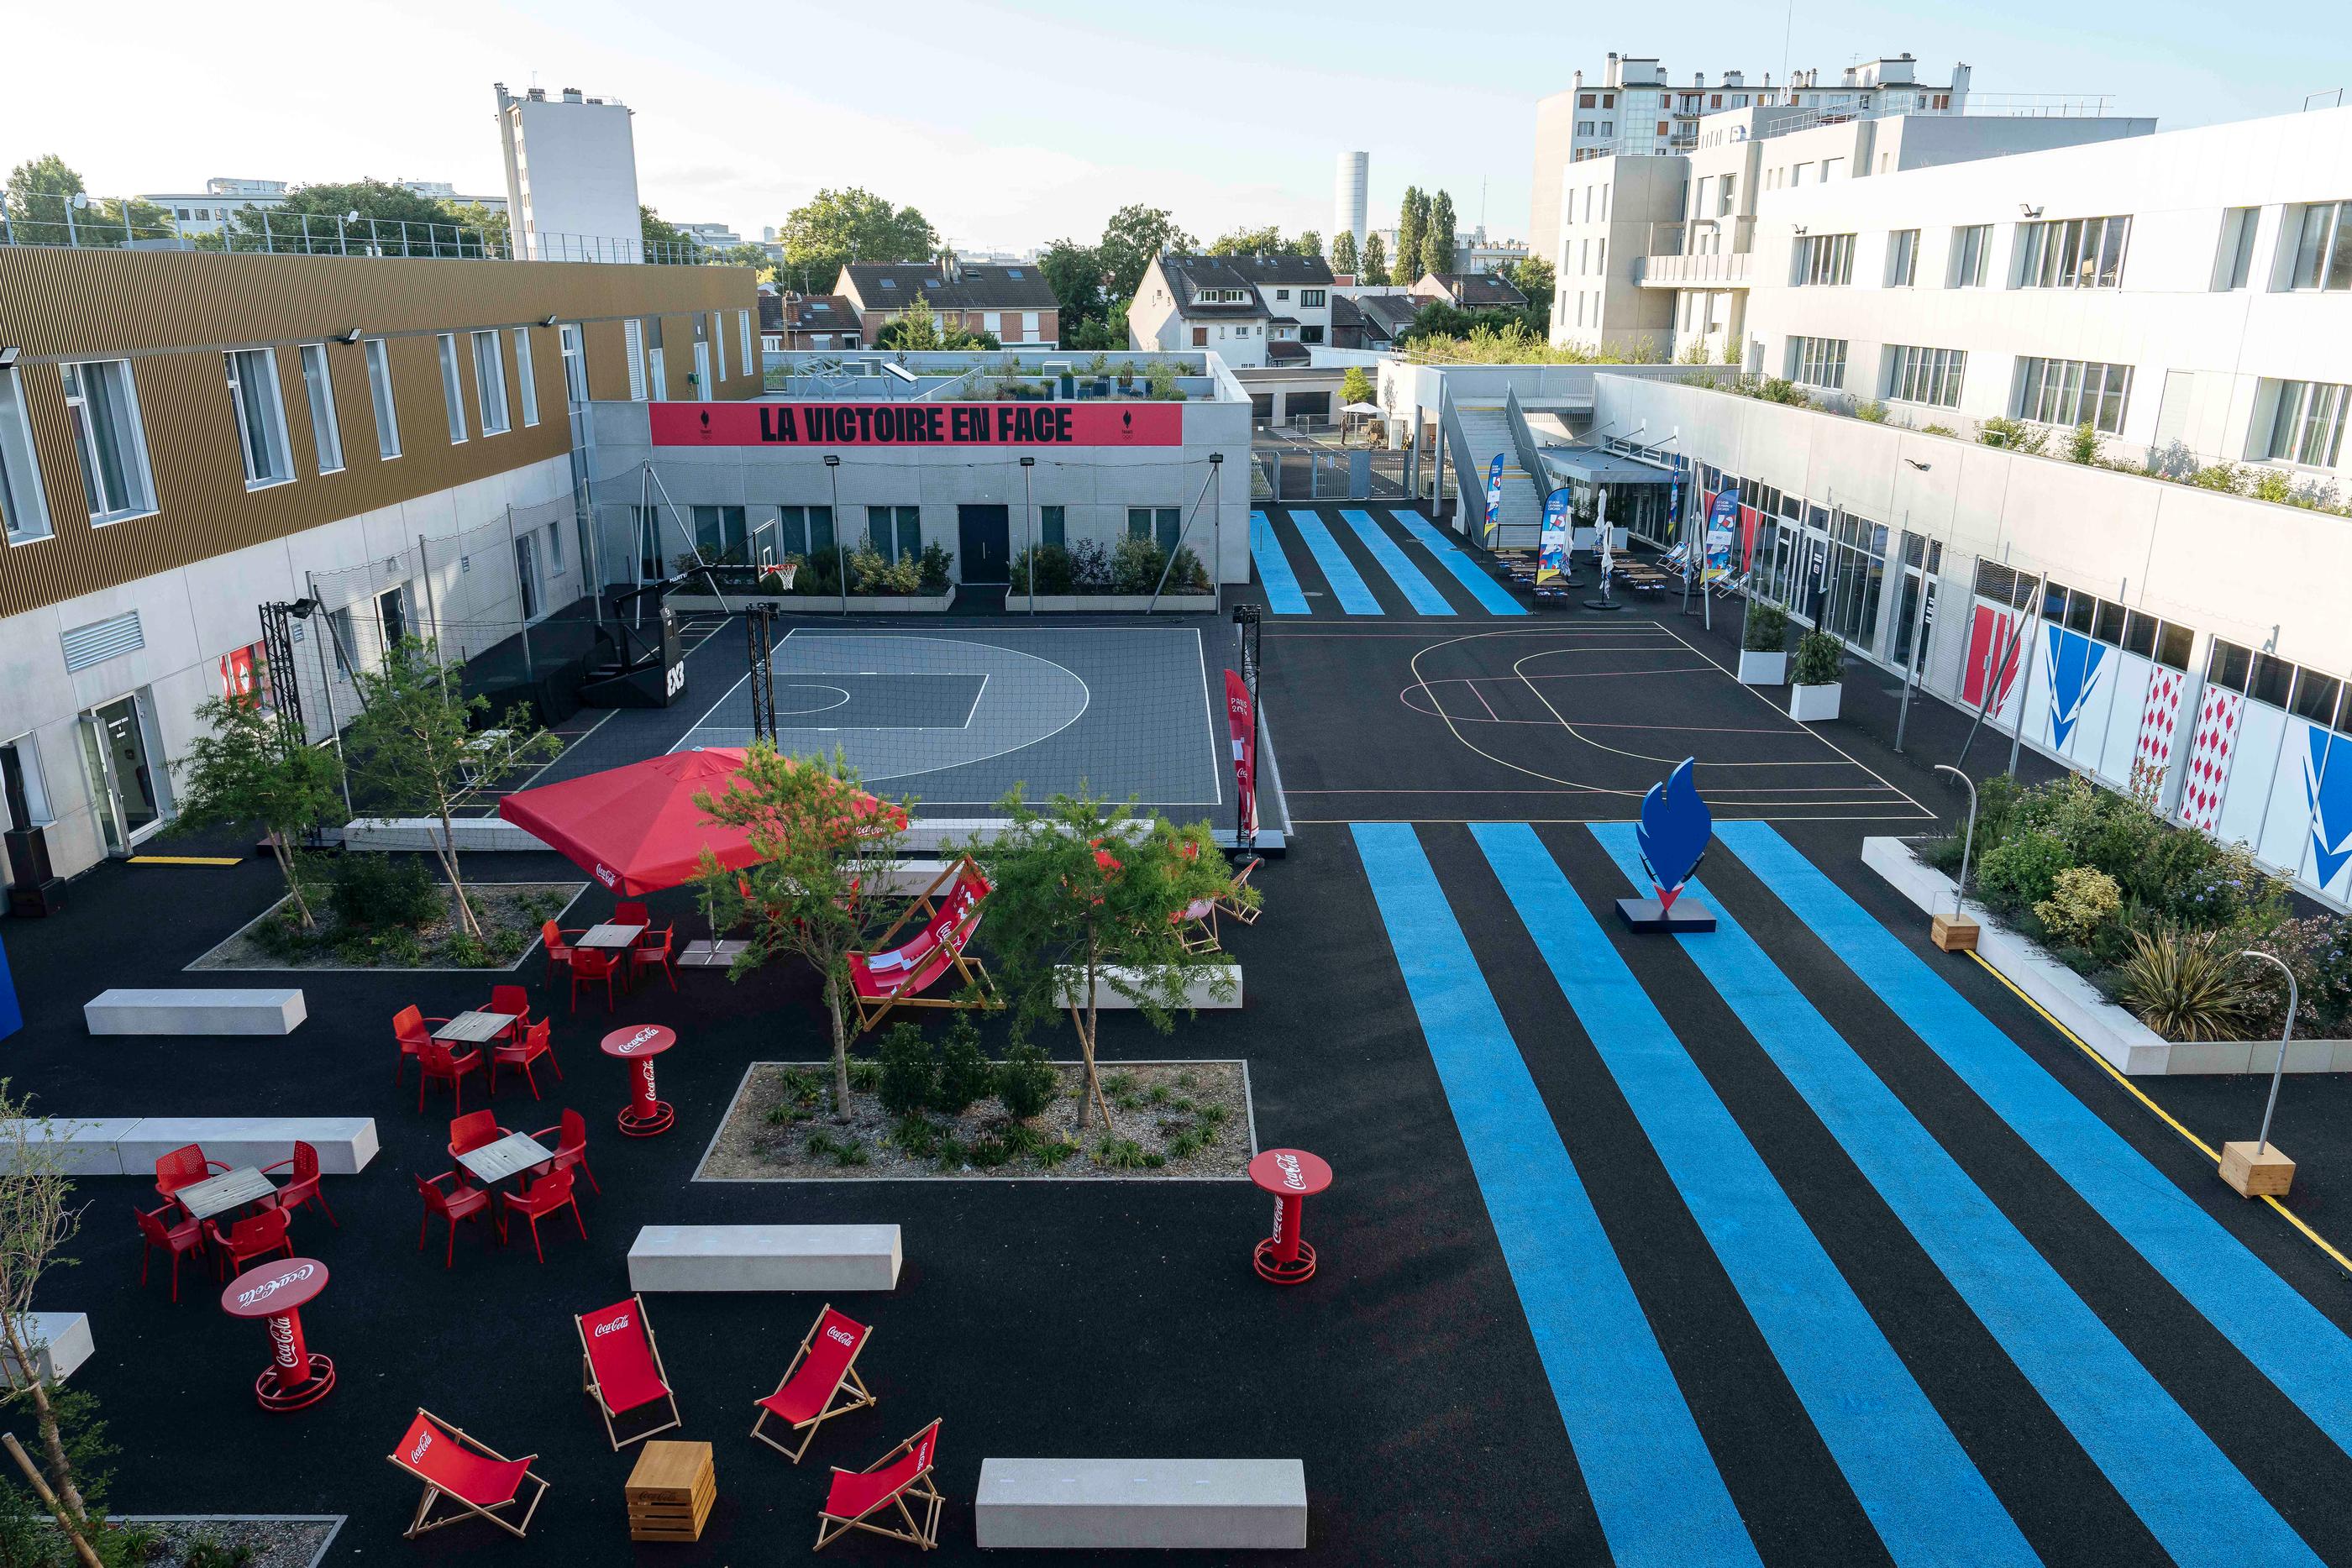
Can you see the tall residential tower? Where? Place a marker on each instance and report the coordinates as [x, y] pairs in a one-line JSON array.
[[1351, 196]]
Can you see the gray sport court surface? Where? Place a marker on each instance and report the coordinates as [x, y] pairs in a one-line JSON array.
[[956, 716]]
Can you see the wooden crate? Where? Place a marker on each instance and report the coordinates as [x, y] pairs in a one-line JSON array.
[[670, 1491]]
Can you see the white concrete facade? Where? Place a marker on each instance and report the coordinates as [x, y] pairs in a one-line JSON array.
[[1352, 190], [571, 177]]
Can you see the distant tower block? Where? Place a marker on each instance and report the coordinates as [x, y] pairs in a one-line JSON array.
[[1351, 196]]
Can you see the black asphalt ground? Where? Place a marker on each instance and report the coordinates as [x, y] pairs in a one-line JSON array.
[[1122, 1318]]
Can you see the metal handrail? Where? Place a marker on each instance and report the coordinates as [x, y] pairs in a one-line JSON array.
[[82, 222]]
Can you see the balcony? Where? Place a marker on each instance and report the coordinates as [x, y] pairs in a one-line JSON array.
[[1709, 253]]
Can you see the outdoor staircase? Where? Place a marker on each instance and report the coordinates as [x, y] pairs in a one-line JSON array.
[[1487, 430]]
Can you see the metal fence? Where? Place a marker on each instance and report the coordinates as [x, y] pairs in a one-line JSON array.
[[1299, 465], [85, 223]]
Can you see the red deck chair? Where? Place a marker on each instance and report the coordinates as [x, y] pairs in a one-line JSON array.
[[302, 1186], [479, 1478], [176, 1239], [621, 1369], [858, 1495], [183, 1166], [822, 1370], [1196, 926], [897, 977], [1230, 905], [412, 1028]]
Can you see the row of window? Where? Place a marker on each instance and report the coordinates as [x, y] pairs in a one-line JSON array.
[[2309, 694], [894, 532]]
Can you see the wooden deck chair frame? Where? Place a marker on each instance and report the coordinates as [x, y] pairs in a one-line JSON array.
[[432, 1492], [1230, 906], [871, 1011], [849, 1383], [1200, 935], [588, 1382], [923, 1533]]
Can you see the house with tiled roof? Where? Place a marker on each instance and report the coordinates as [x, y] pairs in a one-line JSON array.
[[1471, 290], [1246, 309], [802, 322], [1012, 303]]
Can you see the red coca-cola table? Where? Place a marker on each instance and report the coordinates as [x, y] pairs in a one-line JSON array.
[[646, 1114], [276, 1292], [1292, 1175]]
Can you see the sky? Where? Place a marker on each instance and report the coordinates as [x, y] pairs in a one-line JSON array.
[[1012, 125]]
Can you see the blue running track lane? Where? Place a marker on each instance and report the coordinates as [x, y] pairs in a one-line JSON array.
[[1354, 596], [1661, 1501], [2270, 1322], [1455, 559], [1281, 592], [1911, 1476], [2192, 1500], [1419, 590]]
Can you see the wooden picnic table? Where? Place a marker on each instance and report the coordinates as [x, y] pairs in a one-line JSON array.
[[216, 1196], [515, 1153], [611, 937], [475, 1027]]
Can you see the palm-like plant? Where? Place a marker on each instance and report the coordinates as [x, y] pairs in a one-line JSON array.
[[2184, 986]]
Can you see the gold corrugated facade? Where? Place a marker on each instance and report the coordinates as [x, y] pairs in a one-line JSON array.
[[173, 314]]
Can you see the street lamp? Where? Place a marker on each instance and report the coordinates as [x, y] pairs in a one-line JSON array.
[[1217, 527], [840, 557], [1029, 524], [1956, 933], [2255, 1169]]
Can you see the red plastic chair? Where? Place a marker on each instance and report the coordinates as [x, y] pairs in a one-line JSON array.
[[904, 1472], [630, 913], [522, 1053], [440, 1064], [571, 1146], [650, 954], [515, 1000], [590, 965], [474, 1475], [464, 1201], [621, 1368], [550, 937], [257, 1237], [412, 1028], [472, 1130], [823, 1369], [543, 1196], [183, 1166], [303, 1188], [176, 1239]]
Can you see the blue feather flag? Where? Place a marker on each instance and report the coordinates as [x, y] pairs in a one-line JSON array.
[[1673, 832]]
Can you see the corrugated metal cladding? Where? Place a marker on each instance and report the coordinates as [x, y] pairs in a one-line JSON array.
[[103, 640], [172, 313]]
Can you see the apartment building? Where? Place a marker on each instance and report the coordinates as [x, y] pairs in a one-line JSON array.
[[258, 426], [1631, 108], [572, 176], [1015, 305], [1249, 311]]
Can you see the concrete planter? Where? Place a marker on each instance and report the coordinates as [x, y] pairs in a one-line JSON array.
[[1814, 705], [1110, 603], [1763, 669], [814, 603]]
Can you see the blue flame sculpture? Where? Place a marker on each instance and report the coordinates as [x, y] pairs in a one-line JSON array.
[[1672, 836], [12, 1016]]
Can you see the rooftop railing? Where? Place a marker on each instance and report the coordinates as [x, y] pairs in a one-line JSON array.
[[85, 223], [1719, 128]]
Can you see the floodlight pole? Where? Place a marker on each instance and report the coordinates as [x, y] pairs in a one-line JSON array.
[[1217, 539], [840, 557], [1029, 523]]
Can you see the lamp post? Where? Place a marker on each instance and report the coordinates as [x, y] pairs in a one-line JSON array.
[[1217, 526], [840, 557], [2255, 1169], [1956, 933], [1029, 524]]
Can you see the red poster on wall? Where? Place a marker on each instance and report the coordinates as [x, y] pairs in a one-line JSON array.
[[1241, 723], [237, 673], [833, 425]]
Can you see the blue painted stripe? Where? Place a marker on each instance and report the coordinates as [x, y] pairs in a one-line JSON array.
[[1911, 1476], [2270, 1322], [1419, 591], [1455, 559], [2192, 1500], [1283, 595], [1354, 596], [1661, 1501]]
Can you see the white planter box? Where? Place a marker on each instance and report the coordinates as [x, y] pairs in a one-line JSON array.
[[1763, 669], [1098, 1505], [1814, 705], [765, 1258], [1201, 987], [1110, 603]]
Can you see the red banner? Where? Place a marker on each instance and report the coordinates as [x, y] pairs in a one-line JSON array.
[[960, 424], [1240, 721]]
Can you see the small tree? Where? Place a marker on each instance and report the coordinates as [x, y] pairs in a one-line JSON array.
[[35, 1223], [1356, 386], [1084, 893], [1376, 261], [414, 743], [826, 847], [1344, 257], [250, 770]]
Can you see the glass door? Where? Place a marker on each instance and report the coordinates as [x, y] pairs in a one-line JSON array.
[[123, 783]]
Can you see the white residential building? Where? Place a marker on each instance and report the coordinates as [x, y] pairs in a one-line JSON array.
[[571, 177], [208, 211], [1249, 311]]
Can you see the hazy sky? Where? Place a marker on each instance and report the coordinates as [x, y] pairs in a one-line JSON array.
[[1010, 125]]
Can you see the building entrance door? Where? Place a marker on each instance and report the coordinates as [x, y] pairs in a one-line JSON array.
[[986, 556], [122, 781]]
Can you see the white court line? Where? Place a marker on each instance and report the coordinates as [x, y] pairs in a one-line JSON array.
[[1209, 713], [967, 643]]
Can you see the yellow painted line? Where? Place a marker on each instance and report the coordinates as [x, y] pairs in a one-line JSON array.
[[2134, 1090], [188, 859]]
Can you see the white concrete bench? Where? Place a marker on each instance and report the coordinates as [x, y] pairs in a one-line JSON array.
[[1198, 987], [62, 1342], [1101, 1504], [765, 1258], [129, 1145], [264, 1011]]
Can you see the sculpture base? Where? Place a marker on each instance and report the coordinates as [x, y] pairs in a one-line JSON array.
[[1648, 915]]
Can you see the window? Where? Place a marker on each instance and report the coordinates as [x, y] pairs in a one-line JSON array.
[[993, 323], [1168, 521], [1817, 361], [2323, 248], [1902, 258], [326, 436], [894, 532], [805, 530], [260, 416], [23, 506], [1200, 337], [1282, 294], [555, 547], [633, 349], [1310, 299], [2308, 427], [1824, 260], [1970, 247], [2073, 392], [1927, 376], [391, 615], [1053, 526], [2072, 253], [1029, 325], [2234, 260], [102, 401], [453, 392], [523, 376], [569, 337], [387, 418], [490, 382], [1584, 101], [743, 340], [719, 533], [1310, 334], [718, 347], [703, 384]]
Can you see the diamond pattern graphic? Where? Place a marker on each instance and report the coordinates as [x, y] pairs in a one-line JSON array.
[[2159, 722], [2208, 758]]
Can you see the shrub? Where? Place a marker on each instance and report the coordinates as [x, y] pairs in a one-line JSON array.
[[2081, 901], [1050, 1155], [1766, 631], [374, 890], [2274, 485], [2021, 870], [1821, 660], [1090, 567], [1120, 1155], [864, 1077], [1937, 430], [1051, 564], [819, 575], [910, 1071], [2012, 434], [963, 1074], [2083, 443], [916, 1136], [1136, 565], [988, 1151], [931, 571], [2186, 986], [1188, 574], [1025, 1081], [459, 949], [1870, 411], [2226, 477], [2319, 953], [1780, 389], [870, 574]]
